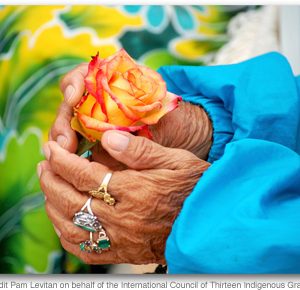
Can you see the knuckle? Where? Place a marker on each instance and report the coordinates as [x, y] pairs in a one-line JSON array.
[[44, 181], [82, 180], [61, 124], [143, 150], [54, 158], [67, 79], [87, 180], [71, 233], [69, 208], [63, 82], [64, 109], [82, 68], [76, 77], [55, 129], [194, 163], [51, 134]]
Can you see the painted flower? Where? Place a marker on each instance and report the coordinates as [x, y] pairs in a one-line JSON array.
[[158, 17], [121, 95]]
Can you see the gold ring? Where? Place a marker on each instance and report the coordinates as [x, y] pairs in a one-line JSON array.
[[102, 193]]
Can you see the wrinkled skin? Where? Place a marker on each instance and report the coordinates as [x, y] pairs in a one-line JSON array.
[[148, 199], [150, 181]]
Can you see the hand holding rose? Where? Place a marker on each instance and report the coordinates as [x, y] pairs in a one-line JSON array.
[[149, 196], [188, 127], [149, 182], [121, 95]]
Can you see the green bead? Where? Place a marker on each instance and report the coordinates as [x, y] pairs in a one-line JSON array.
[[82, 247], [104, 244]]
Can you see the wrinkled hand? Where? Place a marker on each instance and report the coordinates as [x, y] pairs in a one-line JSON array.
[[188, 127], [149, 196]]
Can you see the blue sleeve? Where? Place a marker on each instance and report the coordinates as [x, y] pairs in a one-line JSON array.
[[243, 216]]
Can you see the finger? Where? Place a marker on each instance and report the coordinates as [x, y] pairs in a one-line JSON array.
[[106, 257], [69, 201], [69, 231], [65, 227], [141, 153], [43, 165], [80, 172], [72, 85], [57, 231], [101, 156], [61, 131]]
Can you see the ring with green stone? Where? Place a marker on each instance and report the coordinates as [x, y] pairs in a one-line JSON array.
[[103, 242], [86, 220], [87, 246]]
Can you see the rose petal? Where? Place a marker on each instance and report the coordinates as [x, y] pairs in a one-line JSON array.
[[121, 62], [90, 79], [115, 115], [120, 82], [145, 132], [76, 125], [86, 104], [99, 126], [125, 97], [120, 97], [138, 93], [169, 103], [145, 87], [97, 113], [99, 92], [82, 100], [134, 76], [146, 108], [160, 89]]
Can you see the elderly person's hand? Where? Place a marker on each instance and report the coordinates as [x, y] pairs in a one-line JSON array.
[[188, 127], [148, 196]]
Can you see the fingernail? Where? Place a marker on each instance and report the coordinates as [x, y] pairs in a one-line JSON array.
[[69, 93], [117, 142], [57, 231], [39, 170], [61, 140], [46, 151]]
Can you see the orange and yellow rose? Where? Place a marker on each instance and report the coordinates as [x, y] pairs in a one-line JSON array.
[[121, 95]]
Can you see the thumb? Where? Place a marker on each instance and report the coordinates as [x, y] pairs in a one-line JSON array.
[[141, 153]]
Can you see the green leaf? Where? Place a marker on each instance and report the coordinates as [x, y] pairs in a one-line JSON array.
[[104, 20], [27, 238]]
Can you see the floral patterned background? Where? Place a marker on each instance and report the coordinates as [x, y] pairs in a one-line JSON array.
[[39, 44]]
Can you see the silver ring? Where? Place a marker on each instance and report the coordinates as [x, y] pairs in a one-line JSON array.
[[86, 219]]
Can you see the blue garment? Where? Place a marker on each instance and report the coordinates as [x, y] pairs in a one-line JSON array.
[[243, 216]]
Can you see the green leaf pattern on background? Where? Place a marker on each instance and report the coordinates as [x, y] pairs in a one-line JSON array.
[[34, 53], [23, 222]]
